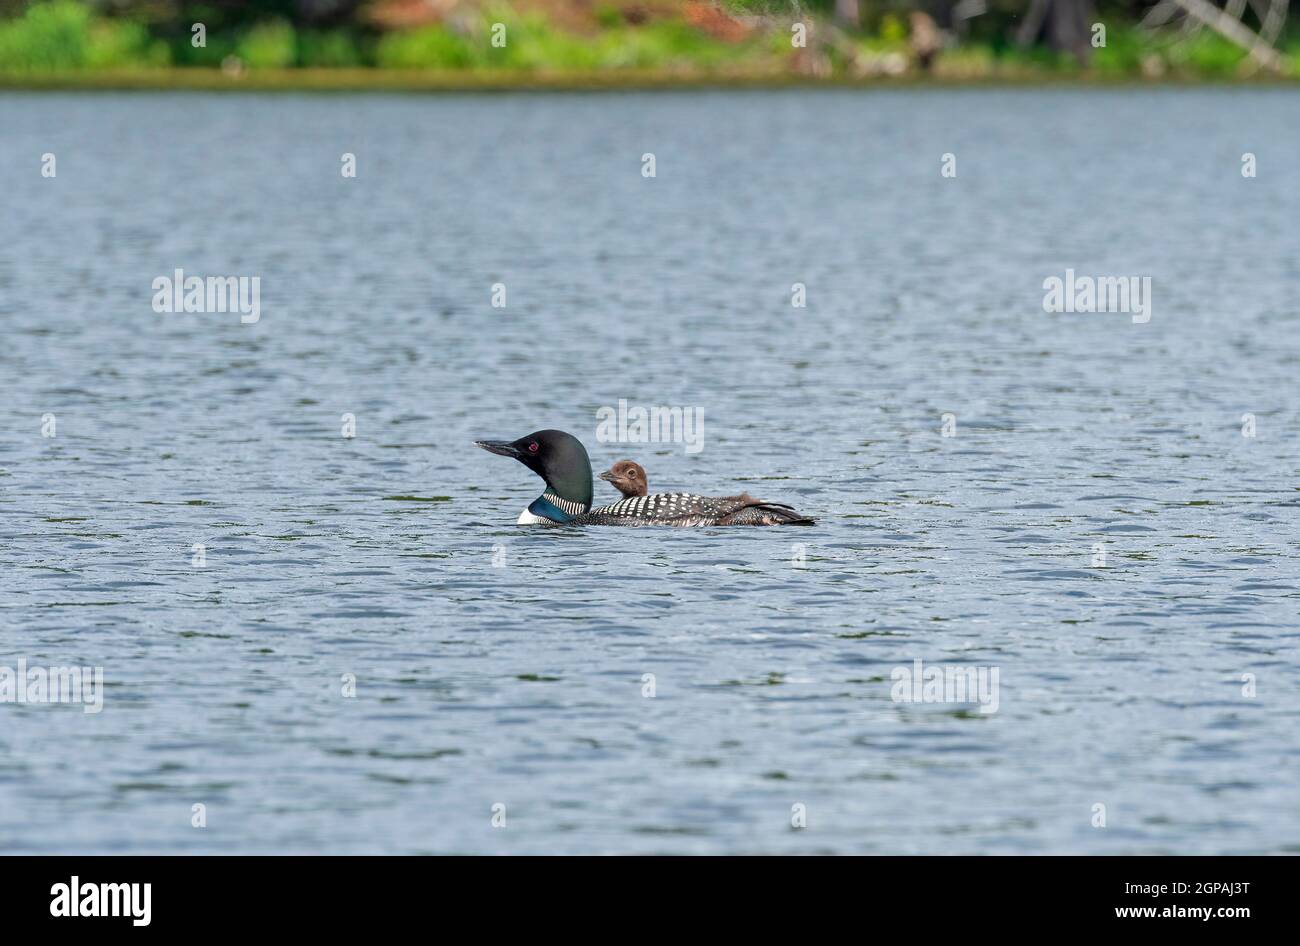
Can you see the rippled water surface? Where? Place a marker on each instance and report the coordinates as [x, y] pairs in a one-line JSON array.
[[497, 665]]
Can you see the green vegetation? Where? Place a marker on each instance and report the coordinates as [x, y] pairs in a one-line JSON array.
[[63, 36], [67, 43], [535, 46], [270, 45]]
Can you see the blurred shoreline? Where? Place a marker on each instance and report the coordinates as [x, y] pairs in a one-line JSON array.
[[491, 45], [384, 80]]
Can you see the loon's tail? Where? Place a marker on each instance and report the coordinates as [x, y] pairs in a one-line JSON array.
[[757, 513]]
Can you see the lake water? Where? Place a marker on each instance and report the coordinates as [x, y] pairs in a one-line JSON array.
[[1098, 529]]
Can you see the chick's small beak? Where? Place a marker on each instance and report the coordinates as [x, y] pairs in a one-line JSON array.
[[607, 475], [501, 447]]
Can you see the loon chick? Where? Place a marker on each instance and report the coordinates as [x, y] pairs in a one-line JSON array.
[[561, 461], [628, 477]]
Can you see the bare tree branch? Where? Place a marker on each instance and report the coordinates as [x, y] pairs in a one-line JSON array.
[[1233, 30]]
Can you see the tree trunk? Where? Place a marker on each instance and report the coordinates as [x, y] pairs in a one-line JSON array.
[[1066, 26]]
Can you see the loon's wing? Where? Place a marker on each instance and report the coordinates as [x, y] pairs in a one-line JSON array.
[[766, 514], [675, 509], [688, 509]]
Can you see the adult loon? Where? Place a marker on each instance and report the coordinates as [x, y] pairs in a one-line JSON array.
[[561, 461]]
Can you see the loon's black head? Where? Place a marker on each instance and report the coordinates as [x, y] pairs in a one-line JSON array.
[[561, 461]]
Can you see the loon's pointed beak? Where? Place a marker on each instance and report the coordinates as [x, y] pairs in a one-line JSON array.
[[608, 476], [502, 447]]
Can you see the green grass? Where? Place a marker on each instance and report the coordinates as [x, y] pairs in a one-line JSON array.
[[1207, 54]]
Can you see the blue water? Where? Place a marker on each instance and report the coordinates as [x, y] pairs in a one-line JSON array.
[[504, 666]]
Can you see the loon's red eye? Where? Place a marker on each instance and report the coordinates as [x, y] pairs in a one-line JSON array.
[[532, 447]]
